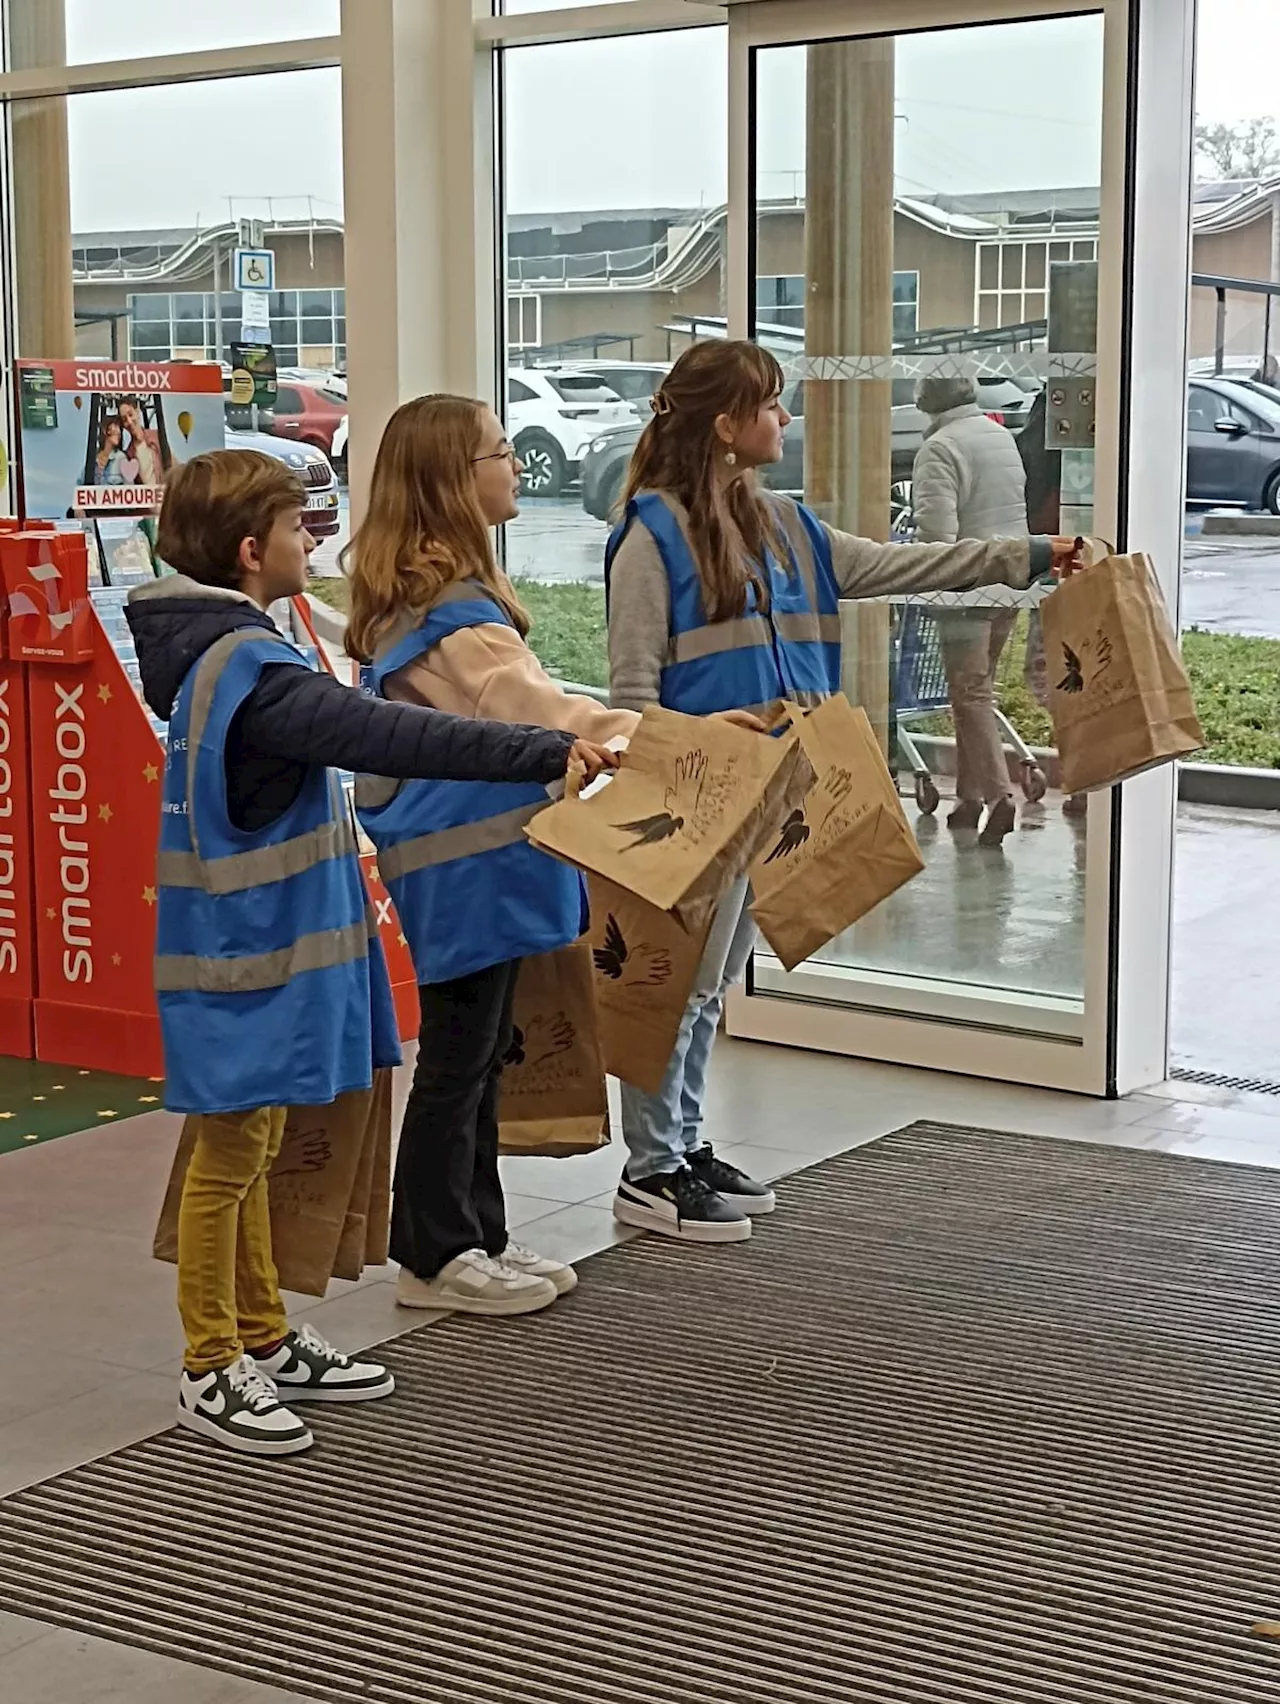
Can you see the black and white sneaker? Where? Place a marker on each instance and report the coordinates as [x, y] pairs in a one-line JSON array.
[[729, 1183], [679, 1204], [307, 1369], [238, 1407]]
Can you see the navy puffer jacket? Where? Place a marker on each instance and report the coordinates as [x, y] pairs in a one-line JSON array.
[[295, 718]]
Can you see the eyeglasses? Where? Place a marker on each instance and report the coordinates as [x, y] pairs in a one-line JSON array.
[[507, 452]]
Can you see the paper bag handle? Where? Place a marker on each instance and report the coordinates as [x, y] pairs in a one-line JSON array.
[[574, 777], [1098, 548]]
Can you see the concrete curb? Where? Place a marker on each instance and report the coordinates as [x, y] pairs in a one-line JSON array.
[[1223, 784], [330, 624], [1241, 526]]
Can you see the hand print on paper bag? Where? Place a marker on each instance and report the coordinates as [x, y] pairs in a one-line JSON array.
[[314, 1152], [541, 1039], [680, 802], [645, 966]]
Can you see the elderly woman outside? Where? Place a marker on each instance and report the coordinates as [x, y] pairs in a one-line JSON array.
[[969, 482]]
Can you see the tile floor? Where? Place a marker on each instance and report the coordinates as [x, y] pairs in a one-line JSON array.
[[89, 1340]]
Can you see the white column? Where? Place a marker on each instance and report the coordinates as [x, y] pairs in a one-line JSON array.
[[420, 241]]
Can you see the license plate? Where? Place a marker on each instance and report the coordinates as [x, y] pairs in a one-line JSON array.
[[323, 500]]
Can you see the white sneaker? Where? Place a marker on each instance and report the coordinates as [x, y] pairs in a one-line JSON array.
[[309, 1369], [521, 1259], [239, 1407], [475, 1284]]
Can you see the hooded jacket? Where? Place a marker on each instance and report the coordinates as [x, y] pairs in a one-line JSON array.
[[295, 718]]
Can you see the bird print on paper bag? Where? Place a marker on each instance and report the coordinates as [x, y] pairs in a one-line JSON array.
[[795, 831], [1073, 680]]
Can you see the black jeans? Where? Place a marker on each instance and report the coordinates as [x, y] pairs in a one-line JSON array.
[[448, 1196]]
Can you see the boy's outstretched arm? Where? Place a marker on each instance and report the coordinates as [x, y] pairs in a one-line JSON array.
[[313, 718]]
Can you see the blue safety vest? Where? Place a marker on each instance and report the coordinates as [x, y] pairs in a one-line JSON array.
[[791, 651], [270, 977], [469, 888]]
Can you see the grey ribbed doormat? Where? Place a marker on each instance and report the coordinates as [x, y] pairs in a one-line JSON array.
[[976, 1419]]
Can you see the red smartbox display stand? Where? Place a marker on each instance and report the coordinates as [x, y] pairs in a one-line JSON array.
[[17, 863], [81, 775]]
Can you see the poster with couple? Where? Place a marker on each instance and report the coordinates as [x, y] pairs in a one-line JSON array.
[[98, 437]]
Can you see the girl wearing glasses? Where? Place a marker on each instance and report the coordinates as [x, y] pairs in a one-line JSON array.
[[439, 624], [722, 596]]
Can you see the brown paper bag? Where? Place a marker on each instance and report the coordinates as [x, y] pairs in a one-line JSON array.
[[1118, 692], [377, 1248], [312, 1183], [693, 800], [844, 850], [359, 1233], [554, 1100], [645, 963]]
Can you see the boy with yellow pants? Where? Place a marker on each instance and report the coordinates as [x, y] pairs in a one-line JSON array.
[[271, 983]]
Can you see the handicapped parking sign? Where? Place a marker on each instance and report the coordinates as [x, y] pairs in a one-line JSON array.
[[255, 269]]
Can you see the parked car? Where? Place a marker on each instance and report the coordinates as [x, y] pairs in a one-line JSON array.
[[604, 468], [305, 414], [634, 381], [338, 449], [1235, 368], [552, 415], [323, 516], [1233, 445]]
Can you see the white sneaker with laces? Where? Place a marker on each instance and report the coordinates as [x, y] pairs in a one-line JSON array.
[[239, 1407], [474, 1284], [307, 1368], [521, 1259]]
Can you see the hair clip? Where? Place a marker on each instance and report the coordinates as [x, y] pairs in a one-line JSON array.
[[660, 402]]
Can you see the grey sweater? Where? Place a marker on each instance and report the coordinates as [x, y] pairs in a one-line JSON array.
[[640, 598]]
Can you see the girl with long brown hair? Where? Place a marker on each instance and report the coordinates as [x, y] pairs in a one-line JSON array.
[[440, 624], [722, 596]]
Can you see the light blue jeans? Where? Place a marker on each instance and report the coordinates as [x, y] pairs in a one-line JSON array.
[[661, 1129]]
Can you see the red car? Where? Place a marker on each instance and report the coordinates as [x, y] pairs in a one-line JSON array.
[[306, 415]]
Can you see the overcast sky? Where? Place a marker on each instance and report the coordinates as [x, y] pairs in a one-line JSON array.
[[628, 123]]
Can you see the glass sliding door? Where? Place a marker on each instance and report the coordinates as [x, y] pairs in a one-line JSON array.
[[908, 172], [933, 225]]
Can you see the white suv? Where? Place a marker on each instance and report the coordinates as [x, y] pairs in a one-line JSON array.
[[552, 416], [634, 381]]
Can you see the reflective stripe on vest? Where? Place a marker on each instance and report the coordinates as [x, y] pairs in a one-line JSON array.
[[241, 870], [251, 973], [464, 840], [720, 636]]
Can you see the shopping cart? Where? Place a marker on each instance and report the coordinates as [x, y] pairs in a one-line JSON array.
[[918, 688]]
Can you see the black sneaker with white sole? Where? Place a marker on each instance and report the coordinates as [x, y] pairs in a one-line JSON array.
[[238, 1407], [679, 1204], [305, 1368], [729, 1183]]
